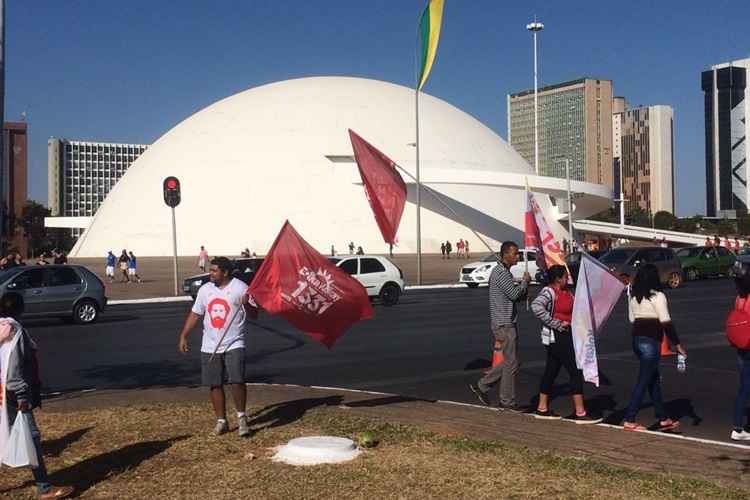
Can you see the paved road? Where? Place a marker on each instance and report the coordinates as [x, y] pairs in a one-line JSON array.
[[429, 346]]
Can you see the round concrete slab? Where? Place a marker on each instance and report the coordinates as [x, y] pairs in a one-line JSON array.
[[317, 450]]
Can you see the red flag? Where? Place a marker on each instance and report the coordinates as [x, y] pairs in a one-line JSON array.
[[308, 290], [384, 187]]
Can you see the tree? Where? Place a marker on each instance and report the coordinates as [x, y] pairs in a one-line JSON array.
[[32, 223], [610, 215], [664, 220], [638, 217], [724, 227]]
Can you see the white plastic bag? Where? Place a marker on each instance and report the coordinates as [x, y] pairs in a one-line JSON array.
[[20, 450]]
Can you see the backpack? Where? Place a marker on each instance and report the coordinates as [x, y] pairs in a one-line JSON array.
[[738, 326]]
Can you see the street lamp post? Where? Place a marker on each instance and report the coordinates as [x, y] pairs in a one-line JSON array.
[[535, 27]]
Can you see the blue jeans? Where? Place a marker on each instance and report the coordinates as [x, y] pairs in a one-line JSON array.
[[648, 351], [743, 393], [39, 472]]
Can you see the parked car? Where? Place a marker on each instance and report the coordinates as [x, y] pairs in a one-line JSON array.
[[699, 262], [380, 277], [573, 261], [244, 270], [479, 272], [70, 292], [624, 262]]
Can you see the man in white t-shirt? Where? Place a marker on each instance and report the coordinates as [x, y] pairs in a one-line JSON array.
[[223, 304]]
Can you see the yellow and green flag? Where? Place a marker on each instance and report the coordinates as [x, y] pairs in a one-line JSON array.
[[429, 34]]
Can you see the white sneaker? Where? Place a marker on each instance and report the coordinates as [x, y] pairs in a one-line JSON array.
[[242, 427], [743, 435], [221, 428]]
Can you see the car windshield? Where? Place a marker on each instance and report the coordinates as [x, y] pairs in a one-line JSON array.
[[689, 252], [8, 273], [490, 258], [615, 257]]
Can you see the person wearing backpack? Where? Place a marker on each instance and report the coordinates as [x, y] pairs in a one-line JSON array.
[[19, 372], [738, 334], [554, 308], [649, 314]]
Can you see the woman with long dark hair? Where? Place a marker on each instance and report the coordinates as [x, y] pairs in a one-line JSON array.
[[554, 308], [742, 281], [649, 313]]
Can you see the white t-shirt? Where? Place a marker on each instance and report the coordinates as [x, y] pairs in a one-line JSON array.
[[217, 306]]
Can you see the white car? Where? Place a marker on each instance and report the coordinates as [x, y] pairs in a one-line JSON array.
[[380, 277], [477, 273]]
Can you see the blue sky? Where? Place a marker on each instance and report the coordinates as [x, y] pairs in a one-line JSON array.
[[129, 71]]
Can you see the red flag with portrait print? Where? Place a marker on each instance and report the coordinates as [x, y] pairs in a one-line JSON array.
[[308, 290], [384, 187], [538, 236]]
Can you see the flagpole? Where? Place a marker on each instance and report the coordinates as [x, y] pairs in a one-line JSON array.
[[416, 143], [450, 209]]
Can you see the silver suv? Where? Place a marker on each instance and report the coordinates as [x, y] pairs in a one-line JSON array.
[[624, 262], [56, 291]]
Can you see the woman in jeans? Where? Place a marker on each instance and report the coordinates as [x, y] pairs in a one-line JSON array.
[[742, 281], [649, 313], [554, 308]]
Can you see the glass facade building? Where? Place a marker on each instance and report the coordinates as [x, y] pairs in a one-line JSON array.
[[574, 124], [81, 174], [725, 109]]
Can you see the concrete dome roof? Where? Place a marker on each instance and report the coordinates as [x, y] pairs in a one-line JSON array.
[[281, 151]]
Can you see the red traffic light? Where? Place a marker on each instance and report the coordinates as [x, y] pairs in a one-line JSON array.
[[171, 191]]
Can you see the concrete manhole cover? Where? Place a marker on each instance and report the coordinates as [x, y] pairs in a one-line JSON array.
[[317, 450]]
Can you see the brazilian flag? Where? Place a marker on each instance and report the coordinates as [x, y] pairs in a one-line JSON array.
[[429, 34]]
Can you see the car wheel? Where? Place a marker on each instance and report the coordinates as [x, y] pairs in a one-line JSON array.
[[691, 274], [674, 280], [85, 312], [472, 285], [389, 294]]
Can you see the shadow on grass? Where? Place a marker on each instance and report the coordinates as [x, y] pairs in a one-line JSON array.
[[288, 412], [743, 462], [91, 471], [55, 447], [83, 475]]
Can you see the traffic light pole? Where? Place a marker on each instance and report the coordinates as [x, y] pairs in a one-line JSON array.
[[174, 254]]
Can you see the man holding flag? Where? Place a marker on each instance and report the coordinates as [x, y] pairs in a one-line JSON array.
[[223, 304], [504, 293]]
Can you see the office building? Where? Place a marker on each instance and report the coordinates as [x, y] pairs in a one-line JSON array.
[[15, 190], [81, 174], [725, 107], [575, 124], [642, 147]]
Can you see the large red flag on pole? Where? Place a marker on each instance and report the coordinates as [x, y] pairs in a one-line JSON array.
[[309, 291], [384, 187]]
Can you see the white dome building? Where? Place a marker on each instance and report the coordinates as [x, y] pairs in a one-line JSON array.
[[281, 151]]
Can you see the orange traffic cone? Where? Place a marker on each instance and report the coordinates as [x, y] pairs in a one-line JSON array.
[[497, 355], [665, 350]]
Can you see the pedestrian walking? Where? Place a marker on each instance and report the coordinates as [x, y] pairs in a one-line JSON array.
[[466, 248], [708, 242], [133, 268], [223, 305], [727, 243], [333, 251], [60, 258], [459, 248], [504, 293], [351, 248], [21, 389], [360, 251], [717, 241], [122, 262], [742, 302], [442, 250], [109, 270], [649, 313], [554, 308], [736, 246], [448, 249], [202, 259]]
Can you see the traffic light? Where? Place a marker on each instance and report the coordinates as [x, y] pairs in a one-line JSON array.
[[172, 191]]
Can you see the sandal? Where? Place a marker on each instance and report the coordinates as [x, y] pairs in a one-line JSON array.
[[668, 424], [633, 426]]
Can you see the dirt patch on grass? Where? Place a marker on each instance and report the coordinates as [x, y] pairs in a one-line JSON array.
[[166, 451]]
